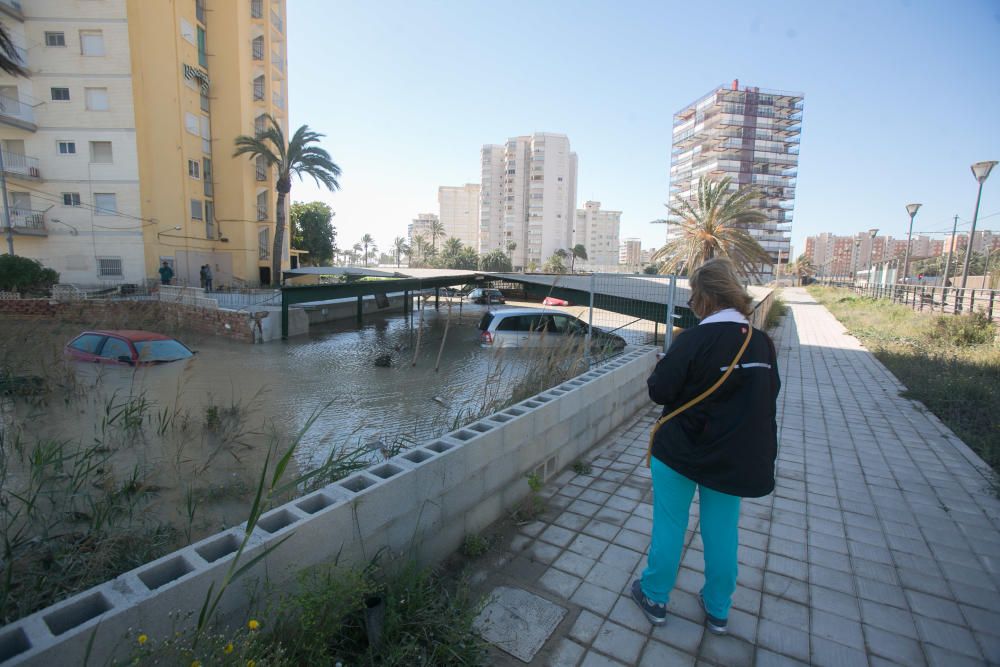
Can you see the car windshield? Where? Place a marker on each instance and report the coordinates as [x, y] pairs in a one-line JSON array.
[[161, 350]]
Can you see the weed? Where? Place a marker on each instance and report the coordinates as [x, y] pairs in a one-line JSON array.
[[533, 504], [474, 546], [777, 310], [581, 467]]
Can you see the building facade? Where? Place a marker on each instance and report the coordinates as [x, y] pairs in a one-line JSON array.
[[751, 136], [630, 254], [599, 232], [458, 208], [421, 226], [125, 130], [528, 197]]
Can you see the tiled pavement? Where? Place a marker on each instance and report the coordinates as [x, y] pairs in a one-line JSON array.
[[879, 546]]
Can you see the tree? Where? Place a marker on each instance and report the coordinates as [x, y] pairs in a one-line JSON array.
[[22, 274], [312, 231], [399, 248], [511, 247], [355, 253], [436, 229], [577, 251], [554, 264], [299, 156], [10, 59], [495, 261], [366, 242], [802, 267], [714, 225], [419, 249], [452, 246]]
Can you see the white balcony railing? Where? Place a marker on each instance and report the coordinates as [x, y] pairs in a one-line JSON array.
[[16, 109], [17, 165], [27, 221]]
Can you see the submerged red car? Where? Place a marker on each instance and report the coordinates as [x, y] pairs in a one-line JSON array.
[[126, 346]]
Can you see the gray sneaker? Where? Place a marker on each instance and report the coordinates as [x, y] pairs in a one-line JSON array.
[[717, 626], [656, 613]]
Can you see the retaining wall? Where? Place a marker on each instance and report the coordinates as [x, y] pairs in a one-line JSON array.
[[423, 501]]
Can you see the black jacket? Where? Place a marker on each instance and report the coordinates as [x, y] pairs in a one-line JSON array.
[[729, 441]]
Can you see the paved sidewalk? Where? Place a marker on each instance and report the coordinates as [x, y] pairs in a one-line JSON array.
[[879, 546]]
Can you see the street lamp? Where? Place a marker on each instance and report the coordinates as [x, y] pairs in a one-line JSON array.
[[872, 233], [981, 170], [912, 210], [854, 257]]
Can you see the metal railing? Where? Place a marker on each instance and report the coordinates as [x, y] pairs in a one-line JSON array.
[[15, 164], [929, 298], [277, 22], [278, 100], [16, 109], [261, 212], [27, 220], [256, 9], [278, 62]]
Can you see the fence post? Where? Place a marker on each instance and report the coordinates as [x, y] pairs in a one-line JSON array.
[[990, 307], [590, 322], [668, 335]]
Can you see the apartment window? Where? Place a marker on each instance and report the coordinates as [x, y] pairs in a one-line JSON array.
[[97, 99], [194, 169], [204, 101], [263, 243], [256, 9], [105, 203], [100, 152], [92, 42], [191, 124], [206, 173], [202, 55], [261, 168], [209, 220], [187, 32], [262, 205], [109, 267], [260, 125], [55, 39], [66, 147], [258, 47], [196, 209], [206, 134], [60, 94], [199, 10], [258, 88], [71, 198]]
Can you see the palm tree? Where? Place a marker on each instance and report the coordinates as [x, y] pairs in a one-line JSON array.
[[576, 251], [420, 245], [10, 59], [400, 248], [511, 247], [355, 253], [451, 247], [300, 155], [802, 267], [715, 225], [366, 241], [495, 261], [436, 229]]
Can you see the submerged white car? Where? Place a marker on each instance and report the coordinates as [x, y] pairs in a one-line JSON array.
[[533, 327]]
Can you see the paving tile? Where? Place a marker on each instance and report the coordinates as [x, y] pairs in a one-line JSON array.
[[941, 657], [785, 612], [947, 635], [837, 628], [559, 582], [893, 619], [903, 650], [566, 654], [786, 588], [657, 654], [610, 577], [620, 557], [878, 591], [585, 627], [594, 659], [596, 599], [557, 535], [933, 607], [601, 530], [619, 642], [542, 552], [727, 650], [680, 633], [632, 540], [571, 521], [765, 658], [826, 653], [783, 639], [835, 602]]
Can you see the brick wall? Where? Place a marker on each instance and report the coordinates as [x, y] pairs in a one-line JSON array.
[[169, 318]]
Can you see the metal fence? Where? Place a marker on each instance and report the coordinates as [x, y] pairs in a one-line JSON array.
[[933, 299]]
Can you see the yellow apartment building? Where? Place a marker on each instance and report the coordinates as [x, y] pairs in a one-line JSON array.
[[117, 148]]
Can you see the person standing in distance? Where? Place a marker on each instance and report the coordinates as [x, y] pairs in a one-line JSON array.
[[719, 381], [166, 274]]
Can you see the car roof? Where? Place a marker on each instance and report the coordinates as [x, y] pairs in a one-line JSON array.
[[130, 334], [530, 311]]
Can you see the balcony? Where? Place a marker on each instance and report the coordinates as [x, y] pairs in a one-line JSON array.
[[17, 113], [20, 166], [277, 22], [12, 8], [278, 100], [260, 172], [278, 62], [256, 9], [258, 91], [209, 187], [261, 212], [28, 222]]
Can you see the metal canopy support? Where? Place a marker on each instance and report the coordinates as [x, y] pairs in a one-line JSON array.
[[360, 308], [668, 335]]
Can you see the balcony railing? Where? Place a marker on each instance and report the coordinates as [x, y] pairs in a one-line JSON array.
[[209, 187], [13, 8], [276, 22], [278, 100], [258, 49], [26, 221], [278, 62], [258, 91], [21, 113], [260, 172], [256, 9], [261, 212], [20, 166]]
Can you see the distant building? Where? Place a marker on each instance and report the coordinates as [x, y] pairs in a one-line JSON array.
[[752, 136], [528, 197], [630, 253], [458, 208], [982, 241], [598, 231], [421, 225]]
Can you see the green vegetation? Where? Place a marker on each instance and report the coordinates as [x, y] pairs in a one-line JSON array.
[[313, 232], [949, 363], [24, 275], [474, 546], [581, 467], [777, 310]]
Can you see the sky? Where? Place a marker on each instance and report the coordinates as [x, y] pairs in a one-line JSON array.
[[901, 97]]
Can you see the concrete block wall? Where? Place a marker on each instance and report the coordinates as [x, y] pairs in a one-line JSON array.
[[421, 503]]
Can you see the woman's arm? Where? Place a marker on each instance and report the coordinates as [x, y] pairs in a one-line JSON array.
[[670, 373]]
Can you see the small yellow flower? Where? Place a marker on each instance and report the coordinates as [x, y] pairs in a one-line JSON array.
[[143, 639], [253, 624], [228, 649], [251, 663], [196, 663]]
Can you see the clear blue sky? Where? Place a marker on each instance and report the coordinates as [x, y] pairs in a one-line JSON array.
[[900, 98]]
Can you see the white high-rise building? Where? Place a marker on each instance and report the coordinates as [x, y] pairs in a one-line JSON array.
[[528, 197], [630, 253], [421, 225], [458, 207], [598, 231]]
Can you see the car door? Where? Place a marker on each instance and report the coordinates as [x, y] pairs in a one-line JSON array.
[[115, 350], [511, 331], [86, 346]]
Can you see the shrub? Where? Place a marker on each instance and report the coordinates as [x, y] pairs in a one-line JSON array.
[[777, 310], [963, 330], [22, 274]]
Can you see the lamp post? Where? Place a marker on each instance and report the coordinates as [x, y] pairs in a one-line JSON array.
[[854, 258], [872, 233], [981, 170], [912, 210]]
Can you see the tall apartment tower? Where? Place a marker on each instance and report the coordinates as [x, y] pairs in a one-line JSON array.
[[528, 197], [458, 208], [421, 225], [123, 136], [751, 136], [599, 232], [630, 253]]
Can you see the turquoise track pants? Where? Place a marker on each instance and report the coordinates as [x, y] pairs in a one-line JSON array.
[[720, 516]]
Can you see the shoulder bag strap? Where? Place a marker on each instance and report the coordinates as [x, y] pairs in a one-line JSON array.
[[699, 398]]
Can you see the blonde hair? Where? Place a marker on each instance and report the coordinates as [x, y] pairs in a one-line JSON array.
[[715, 285]]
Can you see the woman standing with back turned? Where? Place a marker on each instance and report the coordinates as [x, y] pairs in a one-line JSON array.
[[718, 384]]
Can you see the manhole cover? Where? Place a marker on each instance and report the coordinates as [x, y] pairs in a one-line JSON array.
[[518, 622]]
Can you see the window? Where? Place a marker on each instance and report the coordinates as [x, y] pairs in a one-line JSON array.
[[258, 88], [55, 39], [260, 125], [71, 198], [202, 55], [115, 348], [67, 147], [96, 98], [60, 94], [105, 203], [206, 135], [88, 343], [209, 220], [92, 42], [191, 123], [263, 244], [100, 152], [187, 32], [206, 173], [110, 267], [204, 100], [258, 47], [257, 9], [261, 168], [196, 209], [199, 10], [194, 169], [262, 205]]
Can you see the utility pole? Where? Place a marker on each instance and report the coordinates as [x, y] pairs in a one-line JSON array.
[[951, 247], [6, 207]]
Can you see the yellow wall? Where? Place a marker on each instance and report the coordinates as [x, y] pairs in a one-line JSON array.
[[163, 97]]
